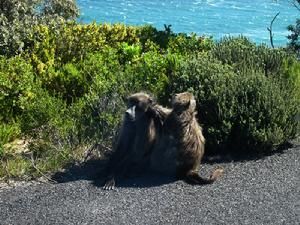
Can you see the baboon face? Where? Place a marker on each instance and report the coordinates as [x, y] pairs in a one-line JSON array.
[[184, 101], [137, 105]]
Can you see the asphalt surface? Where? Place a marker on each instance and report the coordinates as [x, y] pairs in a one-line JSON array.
[[261, 191]]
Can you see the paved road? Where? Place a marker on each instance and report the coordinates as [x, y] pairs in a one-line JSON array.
[[263, 191]]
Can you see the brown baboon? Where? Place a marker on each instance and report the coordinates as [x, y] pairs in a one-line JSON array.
[[182, 132], [142, 124]]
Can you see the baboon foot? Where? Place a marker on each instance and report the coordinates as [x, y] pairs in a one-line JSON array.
[[216, 174], [195, 178], [109, 184]]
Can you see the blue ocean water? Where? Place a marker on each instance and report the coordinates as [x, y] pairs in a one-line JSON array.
[[203, 17]]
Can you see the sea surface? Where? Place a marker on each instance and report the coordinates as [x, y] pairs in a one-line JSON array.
[[215, 18]]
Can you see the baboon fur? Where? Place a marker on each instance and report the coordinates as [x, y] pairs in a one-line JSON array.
[[141, 126], [184, 132], [167, 141]]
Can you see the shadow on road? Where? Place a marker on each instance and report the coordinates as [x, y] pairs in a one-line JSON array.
[[90, 170], [242, 156], [146, 180], [94, 170]]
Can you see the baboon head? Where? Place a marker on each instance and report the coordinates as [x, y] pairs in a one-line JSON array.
[[138, 105], [184, 101]]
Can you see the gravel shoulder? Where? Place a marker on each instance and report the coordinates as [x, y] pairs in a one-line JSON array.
[[263, 191]]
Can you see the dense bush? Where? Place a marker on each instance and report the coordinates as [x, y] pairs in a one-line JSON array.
[[182, 43], [240, 112], [19, 17], [244, 55], [72, 42], [17, 87], [291, 72], [294, 43], [294, 29], [8, 132], [102, 103]]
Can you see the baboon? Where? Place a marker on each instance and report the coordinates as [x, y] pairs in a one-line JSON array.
[[168, 141], [142, 124], [183, 140]]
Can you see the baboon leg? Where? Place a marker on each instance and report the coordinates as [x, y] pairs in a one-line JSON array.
[[114, 169]]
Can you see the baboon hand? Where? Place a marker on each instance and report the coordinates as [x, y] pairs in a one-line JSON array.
[[109, 184]]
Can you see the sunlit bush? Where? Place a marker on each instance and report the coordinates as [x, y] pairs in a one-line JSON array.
[[244, 55], [239, 112], [17, 87]]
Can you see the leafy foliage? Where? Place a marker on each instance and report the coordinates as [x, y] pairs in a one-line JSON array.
[[294, 43], [294, 37], [17, 87], [244, 55], [239, 111], [19, 17]]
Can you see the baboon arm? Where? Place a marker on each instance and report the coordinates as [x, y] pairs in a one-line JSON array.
[[161, 113], [123, 146], [119, 158]]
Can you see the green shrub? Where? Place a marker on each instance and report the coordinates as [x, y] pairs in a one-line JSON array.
[[66, 82], [244, 55], [18, 19], [97, 116], [159, 37], [184, 44], [40, 112], [240, 112], [15, 167], [118, 33], [72, 42], [266, 113], [148, 73], [294, 43], [46, 124], [57, 53], [8, 132], [97, 112], [17, 87], [129, 53], [176, 42], [291, 72], [102, 70]]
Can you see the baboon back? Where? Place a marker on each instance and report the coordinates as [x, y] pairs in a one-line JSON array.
[[183, 126]]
